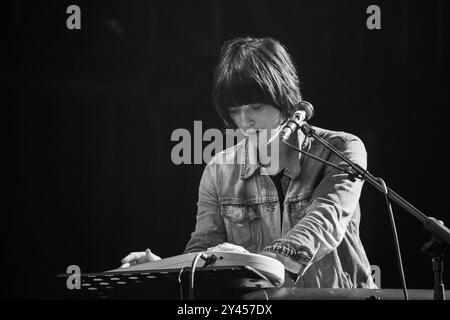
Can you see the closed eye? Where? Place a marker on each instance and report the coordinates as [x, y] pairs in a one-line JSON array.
[[233, 110], [256, 106]]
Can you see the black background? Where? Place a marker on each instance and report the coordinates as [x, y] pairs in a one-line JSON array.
[[91, 112]]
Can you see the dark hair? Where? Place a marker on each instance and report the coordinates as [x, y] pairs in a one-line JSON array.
[[255, 70]]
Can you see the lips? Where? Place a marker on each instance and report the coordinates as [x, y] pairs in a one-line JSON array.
[[251, 132]]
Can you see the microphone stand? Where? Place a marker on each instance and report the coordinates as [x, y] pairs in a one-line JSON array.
[[440, 235]]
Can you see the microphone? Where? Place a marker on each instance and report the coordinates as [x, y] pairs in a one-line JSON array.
[[305, 112]]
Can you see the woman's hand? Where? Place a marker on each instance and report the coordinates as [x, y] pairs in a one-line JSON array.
[[139, 257], [228, 247]]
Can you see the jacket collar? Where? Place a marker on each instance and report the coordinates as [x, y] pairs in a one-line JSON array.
[[250, 164]]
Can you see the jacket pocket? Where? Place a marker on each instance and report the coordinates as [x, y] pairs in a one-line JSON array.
[[297, 206], [242, 223]]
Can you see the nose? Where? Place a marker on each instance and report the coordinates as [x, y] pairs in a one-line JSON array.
[[246, 120]]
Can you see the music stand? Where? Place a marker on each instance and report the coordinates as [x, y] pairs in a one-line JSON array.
[[216, 283]]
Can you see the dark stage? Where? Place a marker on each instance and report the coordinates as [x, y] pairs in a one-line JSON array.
[[91, 112]]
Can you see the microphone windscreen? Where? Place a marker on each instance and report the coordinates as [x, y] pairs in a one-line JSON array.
[[307, 107]]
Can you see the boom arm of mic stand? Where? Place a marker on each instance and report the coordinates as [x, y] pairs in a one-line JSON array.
[[436, 229]]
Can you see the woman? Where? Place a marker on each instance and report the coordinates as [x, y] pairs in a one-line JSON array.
[[299, 211]]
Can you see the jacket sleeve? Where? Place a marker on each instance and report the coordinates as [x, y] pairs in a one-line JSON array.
[[326, 219], [210, 228]]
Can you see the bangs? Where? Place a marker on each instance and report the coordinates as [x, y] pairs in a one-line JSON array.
[[242, 89]]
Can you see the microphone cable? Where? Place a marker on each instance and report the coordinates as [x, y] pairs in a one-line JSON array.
[[208, 260], [396, 242], [180, 285]]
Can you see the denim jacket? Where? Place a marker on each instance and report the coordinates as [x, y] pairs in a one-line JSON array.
[[317, 237]]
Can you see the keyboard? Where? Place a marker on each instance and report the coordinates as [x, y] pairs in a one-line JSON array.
[[267, 267]]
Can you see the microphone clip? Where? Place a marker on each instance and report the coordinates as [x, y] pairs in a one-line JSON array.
[[292, 125]]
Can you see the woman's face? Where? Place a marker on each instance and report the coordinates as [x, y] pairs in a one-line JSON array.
[[256, 116]]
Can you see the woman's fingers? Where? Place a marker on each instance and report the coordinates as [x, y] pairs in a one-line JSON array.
[[150, 256], [228, 247], [139, 257], [133, 256]]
